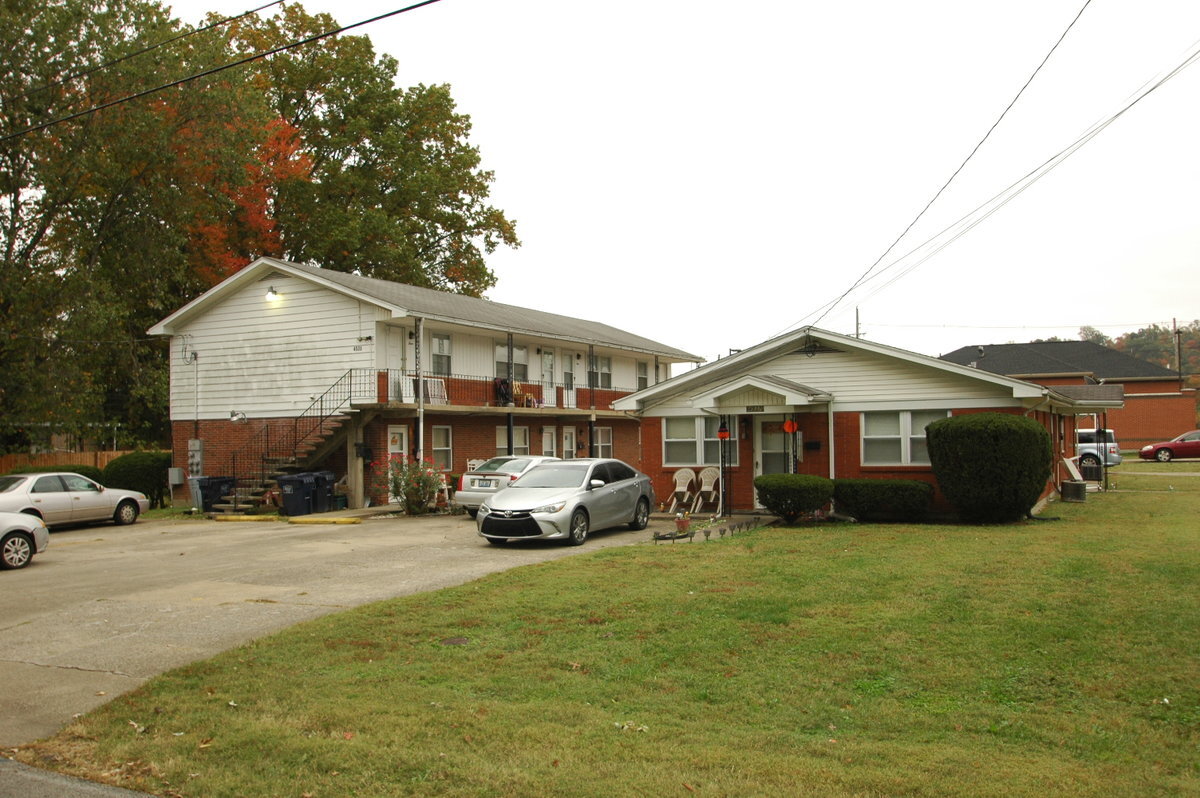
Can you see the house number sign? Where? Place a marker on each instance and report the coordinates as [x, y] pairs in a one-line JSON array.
[[754, 408]]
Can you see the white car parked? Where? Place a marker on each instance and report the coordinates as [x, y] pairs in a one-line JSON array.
[[66, 498], [21, 536]]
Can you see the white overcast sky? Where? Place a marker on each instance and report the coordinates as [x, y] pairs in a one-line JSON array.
[[710, 174]]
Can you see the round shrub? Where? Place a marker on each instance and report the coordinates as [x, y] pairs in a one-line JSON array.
[[91, 472], [791, 495], [141, 471], [992, 467], [883, 499]]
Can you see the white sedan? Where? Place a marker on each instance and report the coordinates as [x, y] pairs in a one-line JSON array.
[[66, 498], [21, 536]]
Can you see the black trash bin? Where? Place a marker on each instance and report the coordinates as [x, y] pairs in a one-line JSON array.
[[323, 495], [297, 492], [209, 491]]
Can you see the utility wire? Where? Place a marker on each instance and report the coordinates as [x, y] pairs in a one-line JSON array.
[[215, 70], [969, 221], [143, 51], [828, 309]]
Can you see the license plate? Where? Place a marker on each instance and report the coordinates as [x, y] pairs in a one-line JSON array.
[[484, 483]]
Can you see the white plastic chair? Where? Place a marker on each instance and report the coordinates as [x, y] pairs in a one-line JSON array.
[[474, 464], [684, 478], [709, 490]]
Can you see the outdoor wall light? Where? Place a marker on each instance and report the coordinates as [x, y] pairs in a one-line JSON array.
[[272, 294], [237, 417]]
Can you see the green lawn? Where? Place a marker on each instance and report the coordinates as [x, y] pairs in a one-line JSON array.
[[1049, 658]]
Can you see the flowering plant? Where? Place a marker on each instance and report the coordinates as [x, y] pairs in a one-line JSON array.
[[413, 483]]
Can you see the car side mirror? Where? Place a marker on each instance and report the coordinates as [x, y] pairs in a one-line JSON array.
[[595, 483]]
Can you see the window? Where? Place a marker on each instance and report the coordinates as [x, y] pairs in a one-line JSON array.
[[441, 354], [443, 451], [600, 375], [692, 440], [604, 442], [520, 440], [520, 362], [643, 375], [897, 437]]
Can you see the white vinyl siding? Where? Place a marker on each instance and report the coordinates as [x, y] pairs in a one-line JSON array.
[[269, 358], [897, 437]]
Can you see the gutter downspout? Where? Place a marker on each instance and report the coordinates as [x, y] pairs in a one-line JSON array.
[[420, 332]]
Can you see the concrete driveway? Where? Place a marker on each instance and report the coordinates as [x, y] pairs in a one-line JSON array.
[[105, 608]]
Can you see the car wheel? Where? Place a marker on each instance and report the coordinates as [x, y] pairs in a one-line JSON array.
[[579, 528], [497, 541], [1089, 460], [641, 516], [127, 513], [16, 550], [1163, 455]]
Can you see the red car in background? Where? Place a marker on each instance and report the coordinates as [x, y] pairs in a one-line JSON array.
[[1186, 445]]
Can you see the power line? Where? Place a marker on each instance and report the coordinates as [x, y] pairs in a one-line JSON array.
[[946, 185], [84, 73], [215, 70]]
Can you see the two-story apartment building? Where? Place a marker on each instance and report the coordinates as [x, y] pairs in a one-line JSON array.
[[284, 361]]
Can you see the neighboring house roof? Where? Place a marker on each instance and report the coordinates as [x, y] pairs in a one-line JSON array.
[[728, 373], [412, 301], [1059, 359]]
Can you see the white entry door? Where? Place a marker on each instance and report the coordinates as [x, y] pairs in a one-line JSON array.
[[549, 441], [568, 443], [397, 447], [770, 448], [549, 394]]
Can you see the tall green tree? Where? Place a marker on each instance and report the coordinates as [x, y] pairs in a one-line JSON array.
[[395, 188]]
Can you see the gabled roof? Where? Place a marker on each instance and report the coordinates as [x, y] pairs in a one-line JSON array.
[[411, 300], [1059, 359], [810, 339]]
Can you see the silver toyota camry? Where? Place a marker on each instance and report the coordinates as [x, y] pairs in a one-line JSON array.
[[565, 500]]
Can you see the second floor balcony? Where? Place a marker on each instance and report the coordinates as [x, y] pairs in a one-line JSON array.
[[394, 387]]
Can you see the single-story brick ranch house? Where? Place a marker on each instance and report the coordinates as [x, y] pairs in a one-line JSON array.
[[290, 364], [816, 402], [1158, 404]]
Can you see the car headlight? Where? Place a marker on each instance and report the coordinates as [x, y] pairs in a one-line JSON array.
[[483, 510], [549, 508], [1147, 447]]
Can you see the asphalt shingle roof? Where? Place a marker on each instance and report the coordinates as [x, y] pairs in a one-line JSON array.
[[1057, 357], [493, 315]]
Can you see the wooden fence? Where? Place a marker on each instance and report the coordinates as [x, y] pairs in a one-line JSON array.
[[98, 459]]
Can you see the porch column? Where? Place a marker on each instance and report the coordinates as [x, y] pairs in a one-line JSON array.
[[354, 465], [511, 383], [419, 430], [832, 450]]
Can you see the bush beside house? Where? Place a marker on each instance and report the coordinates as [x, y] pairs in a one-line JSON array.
[[791, 495], [141, 471], [883, 499], [91, 472], [992, 467]]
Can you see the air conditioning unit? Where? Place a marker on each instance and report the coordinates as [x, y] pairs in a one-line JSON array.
[[1074, 490]]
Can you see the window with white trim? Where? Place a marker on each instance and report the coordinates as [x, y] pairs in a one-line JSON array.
[[442, 448], [643, 375], [604, 441], [897, 437], [520, 362], [520, 440], [600, 375], [692, 440], [440, 358]]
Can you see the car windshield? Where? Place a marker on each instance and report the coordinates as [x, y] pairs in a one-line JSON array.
[[8, 483], [507, 465], [553, 476]]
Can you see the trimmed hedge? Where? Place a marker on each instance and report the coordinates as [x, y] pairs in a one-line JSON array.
[[141, 471], [992, 467], [791, 495], [883, 499], [91, 472]]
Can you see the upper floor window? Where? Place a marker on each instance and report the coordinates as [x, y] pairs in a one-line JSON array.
[[440, 344], [897, 437], [600, 375], [520, 362], [643, 375]]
